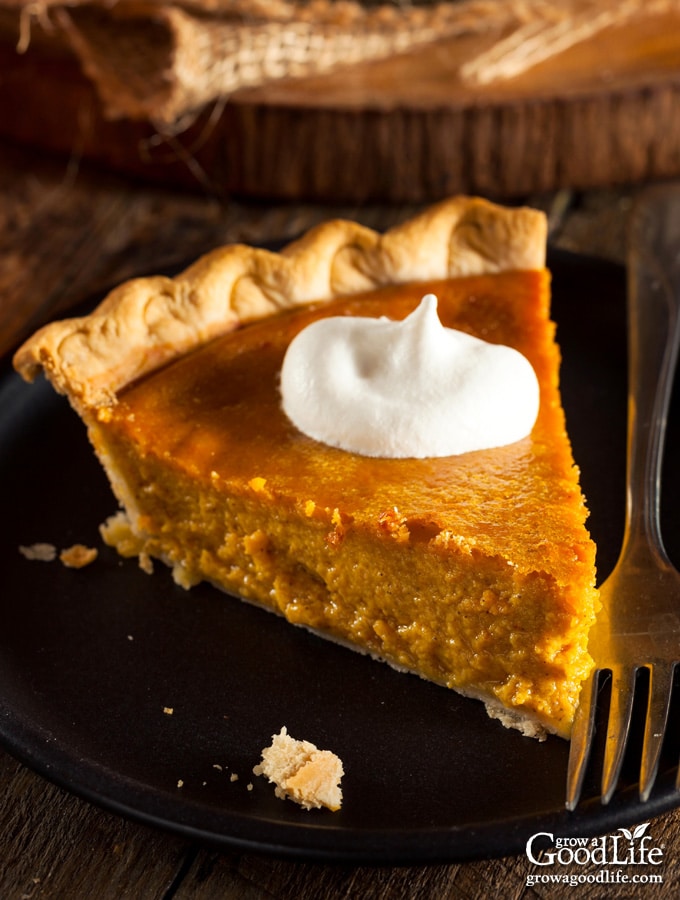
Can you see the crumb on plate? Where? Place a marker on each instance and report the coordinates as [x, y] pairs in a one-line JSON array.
[[301, 772], [41, 551], [78, 556]]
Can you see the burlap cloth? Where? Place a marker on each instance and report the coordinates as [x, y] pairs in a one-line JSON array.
[[164, 61]]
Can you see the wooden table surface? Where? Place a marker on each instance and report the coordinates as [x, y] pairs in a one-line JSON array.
[[66, 233]]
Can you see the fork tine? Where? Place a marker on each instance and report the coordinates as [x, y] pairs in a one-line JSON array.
[[581, 739], [660, 687], [618, 726]]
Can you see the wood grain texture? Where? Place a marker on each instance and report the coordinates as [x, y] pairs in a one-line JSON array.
[[54, 845], [407, 129]]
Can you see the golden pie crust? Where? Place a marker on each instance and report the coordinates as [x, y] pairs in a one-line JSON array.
[[476, 572], [148, 321]]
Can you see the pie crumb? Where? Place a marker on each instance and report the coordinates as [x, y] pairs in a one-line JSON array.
[[78, 556], [146, 563], [117, 532], [301, 772], [40, 552]]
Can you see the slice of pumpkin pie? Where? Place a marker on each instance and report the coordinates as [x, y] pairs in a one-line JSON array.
[[302, 430]]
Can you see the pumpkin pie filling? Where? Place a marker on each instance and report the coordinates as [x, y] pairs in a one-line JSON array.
[[474, 571], [470, 570]]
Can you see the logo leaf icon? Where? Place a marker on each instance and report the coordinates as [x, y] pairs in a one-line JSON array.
[[640, 830], [626, 833]]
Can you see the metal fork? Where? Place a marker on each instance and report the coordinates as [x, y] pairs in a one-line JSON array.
[[639, 625]]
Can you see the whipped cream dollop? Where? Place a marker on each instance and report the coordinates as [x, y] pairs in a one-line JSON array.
[[410, 388]]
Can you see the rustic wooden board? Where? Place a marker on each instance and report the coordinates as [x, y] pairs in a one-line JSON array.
[[602, 113]]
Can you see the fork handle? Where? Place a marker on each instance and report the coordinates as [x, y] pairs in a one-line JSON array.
[[653, 339]]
